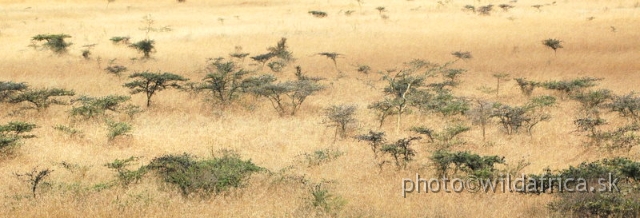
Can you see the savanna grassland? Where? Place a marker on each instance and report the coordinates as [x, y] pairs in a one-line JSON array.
[[301, 155]]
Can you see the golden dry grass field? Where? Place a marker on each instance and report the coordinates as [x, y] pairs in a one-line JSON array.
[[600, 38]]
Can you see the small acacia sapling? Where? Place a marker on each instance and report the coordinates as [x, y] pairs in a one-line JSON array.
[[151, 83], [552, 44]]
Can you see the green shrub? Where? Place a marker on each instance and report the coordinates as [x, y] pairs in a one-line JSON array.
[[626, 105], [120, 39], [118, 129], [325, 203], [126, 176], [92, 107], [526, 86], [72, 132], [401, 151], [54, 42], [592, 100], [552, 44], [465, 161], [9, 89], [209, 176], [567, 88], [145, 46], [321, 156], [11, 133]]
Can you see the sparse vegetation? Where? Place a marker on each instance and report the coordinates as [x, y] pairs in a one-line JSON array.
[[304, 144]]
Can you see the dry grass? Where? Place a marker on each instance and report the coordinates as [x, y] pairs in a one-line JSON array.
[[508, 42]]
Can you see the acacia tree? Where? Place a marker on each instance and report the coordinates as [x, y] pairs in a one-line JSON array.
[[286, 97], [42, 98], [340, 117], [225, 80], [552, 44], [401, 91], [145, 46], [53, 42], [150, 83]]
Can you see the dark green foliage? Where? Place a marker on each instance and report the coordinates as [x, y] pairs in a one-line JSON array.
[[280, 52], [341, 117], [146, 47], [322, 200], [596, 205], [592, 100], [465, 161], [446, 104], [375, 139], [224, 80], [526, 86], [383, 108], [54, 42], [34, 178], [619, 201], [239, 54], [567, 88], [118, 129], [151, 83], [452, 75], [92, 107], [11, 133], [626, 105], [277, 66], [263, 58], [120, 40], [42, 98], [204, 176], [72, 132], [402, 90], [319, 14], [8, 89], [401, 151], [116, 69], [552, 44], [127, 176]]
